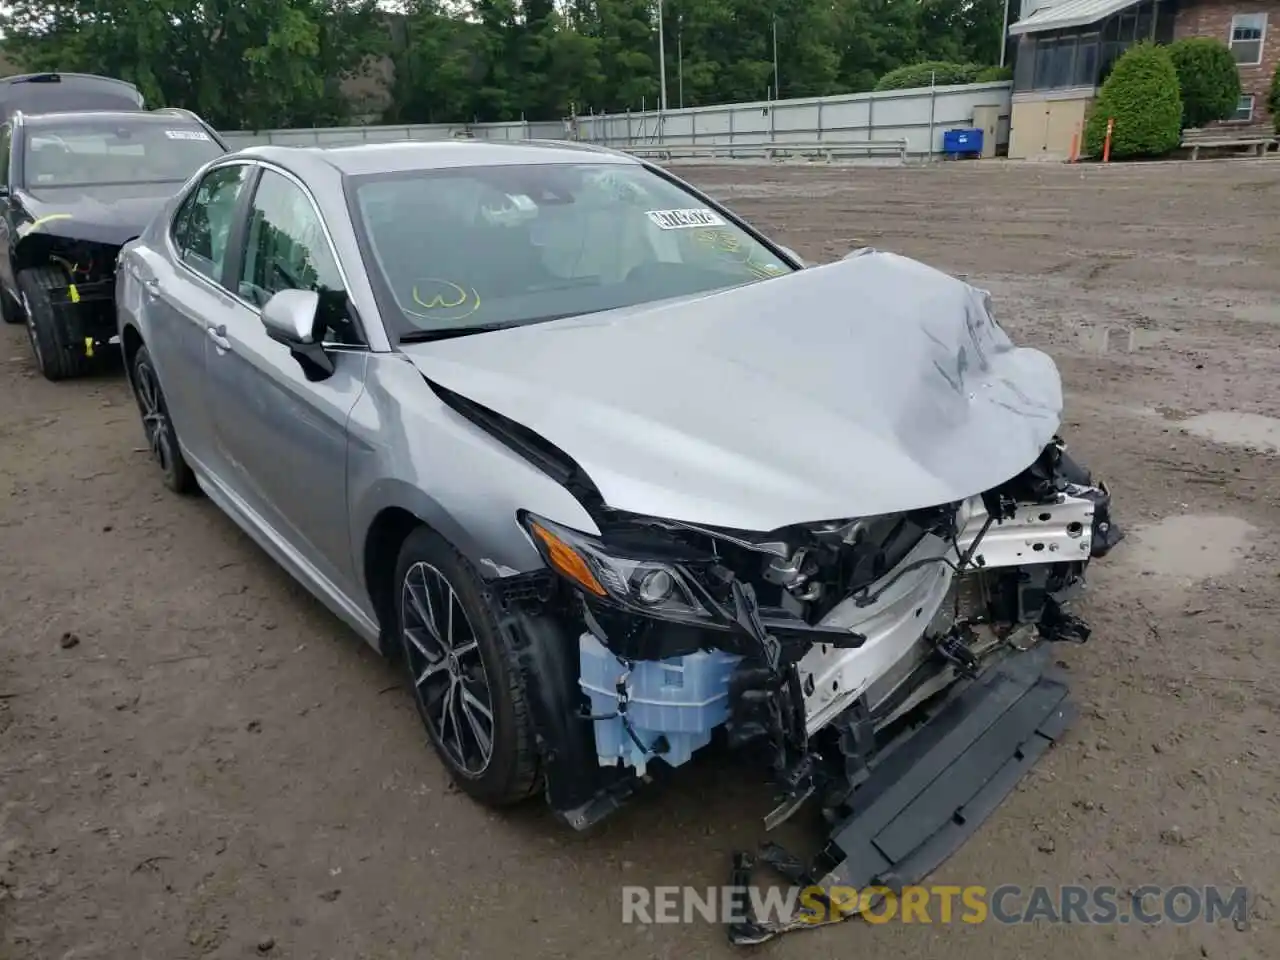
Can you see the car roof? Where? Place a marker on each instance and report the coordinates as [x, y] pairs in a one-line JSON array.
[[59, 76], [57, 117], [405, 155]]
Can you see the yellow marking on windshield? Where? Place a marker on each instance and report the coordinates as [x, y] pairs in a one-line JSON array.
[[36, 224], [439, 301]]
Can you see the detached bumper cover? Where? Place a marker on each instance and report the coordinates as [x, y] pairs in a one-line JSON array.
[[931, 790]]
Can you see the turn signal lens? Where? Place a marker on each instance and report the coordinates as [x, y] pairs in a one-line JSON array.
[[567, 561]]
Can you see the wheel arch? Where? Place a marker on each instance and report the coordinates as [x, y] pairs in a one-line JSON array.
[[383, 541], [397, 509]]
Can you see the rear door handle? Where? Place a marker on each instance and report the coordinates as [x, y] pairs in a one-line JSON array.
[[218, 335]]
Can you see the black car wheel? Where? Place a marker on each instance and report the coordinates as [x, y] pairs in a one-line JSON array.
[[162, 439], [462, 673], [57, 359]]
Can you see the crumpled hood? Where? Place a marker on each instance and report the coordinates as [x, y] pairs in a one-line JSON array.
[[868, 386], [106, 214]]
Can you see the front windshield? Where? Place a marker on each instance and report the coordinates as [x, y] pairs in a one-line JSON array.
[[475, 247], [98, 152]]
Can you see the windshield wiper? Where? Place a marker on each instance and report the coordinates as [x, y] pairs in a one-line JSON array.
[[448, 333]]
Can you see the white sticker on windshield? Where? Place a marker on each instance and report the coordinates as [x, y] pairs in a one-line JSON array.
[[685, 219], [186, 135]]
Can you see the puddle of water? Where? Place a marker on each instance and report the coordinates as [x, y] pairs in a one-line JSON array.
[[1119, 339], [1189, 547], [1237, 429]]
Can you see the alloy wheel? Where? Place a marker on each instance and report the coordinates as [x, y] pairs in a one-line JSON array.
[[155, 421], [448, 672]]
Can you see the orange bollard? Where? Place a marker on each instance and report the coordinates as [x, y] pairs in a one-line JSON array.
[[1075, 147], [1106, 146]]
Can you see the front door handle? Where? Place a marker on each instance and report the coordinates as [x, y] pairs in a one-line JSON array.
[[218, 335]]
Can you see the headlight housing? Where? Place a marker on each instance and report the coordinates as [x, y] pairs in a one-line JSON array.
[[642, 585]]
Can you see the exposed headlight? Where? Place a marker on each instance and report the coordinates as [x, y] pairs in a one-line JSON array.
[[645, 586]]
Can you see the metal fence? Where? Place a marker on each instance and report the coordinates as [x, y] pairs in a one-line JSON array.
[[919, 117], [915, 118]]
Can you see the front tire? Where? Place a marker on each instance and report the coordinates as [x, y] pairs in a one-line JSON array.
[[162, 438], [57, 359], [462, 673]]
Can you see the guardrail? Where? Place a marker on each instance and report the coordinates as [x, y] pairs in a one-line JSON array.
[[770, 149]]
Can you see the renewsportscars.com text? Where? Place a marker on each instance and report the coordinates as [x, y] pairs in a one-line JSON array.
[[1006, 904]]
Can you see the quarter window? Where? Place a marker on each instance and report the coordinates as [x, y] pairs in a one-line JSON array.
[[1248, 30], [286, 249], [203, 223]]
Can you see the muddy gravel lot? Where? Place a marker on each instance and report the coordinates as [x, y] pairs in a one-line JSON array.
[[196, 760]]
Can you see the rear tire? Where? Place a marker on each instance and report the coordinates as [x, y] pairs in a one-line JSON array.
[[484, 734], [162, 438], [57, 359]]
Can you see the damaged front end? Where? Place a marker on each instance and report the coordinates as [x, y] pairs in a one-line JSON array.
[[824, 648], [81, 286], [880, 647]]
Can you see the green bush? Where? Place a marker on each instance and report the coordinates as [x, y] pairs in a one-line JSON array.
[[919, 75], [1208, 80], [1141, 94], [1273, 98], [993, 74]]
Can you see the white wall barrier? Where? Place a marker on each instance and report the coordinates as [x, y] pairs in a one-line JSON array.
[[918, 117]]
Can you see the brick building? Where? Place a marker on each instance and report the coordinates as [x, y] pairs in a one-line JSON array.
[[1246, 27], [1063, 49]]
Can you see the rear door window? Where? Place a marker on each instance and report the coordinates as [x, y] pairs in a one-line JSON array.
[[203, 223]]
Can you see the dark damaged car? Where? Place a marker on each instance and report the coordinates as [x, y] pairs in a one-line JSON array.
[[614, 475], [76, 186]]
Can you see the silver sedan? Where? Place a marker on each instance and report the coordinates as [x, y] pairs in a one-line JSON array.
[[607, 469]]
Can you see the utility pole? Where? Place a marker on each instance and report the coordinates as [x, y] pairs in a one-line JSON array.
[[662, 64], [777, 95], [1004, 31], [680, 54]]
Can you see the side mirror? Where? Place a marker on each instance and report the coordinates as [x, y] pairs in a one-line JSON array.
[[793, 255], [290, 317]]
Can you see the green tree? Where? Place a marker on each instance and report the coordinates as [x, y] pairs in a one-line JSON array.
[[266, 63], [1141, 95], [1273, 98], [1208, 79], [874, 37], [937, 72], [249, 63], [434, 57]]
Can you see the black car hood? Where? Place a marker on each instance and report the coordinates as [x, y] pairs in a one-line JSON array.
[[109, 214]]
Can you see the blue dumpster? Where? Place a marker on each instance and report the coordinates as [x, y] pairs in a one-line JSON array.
[[965, 141]]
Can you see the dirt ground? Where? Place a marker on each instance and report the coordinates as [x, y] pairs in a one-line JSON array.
[[217, 768]]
